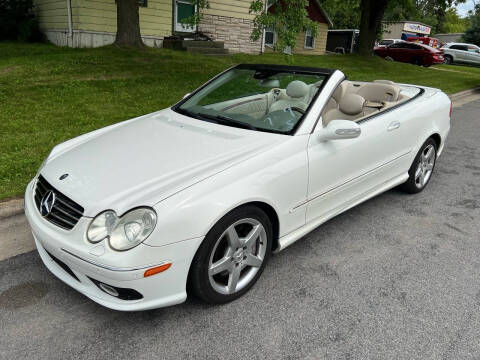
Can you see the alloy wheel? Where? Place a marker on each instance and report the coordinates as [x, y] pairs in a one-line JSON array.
[[425, 166], [237, 256]]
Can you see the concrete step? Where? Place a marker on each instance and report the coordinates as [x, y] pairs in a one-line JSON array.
[[207, 50], [202, 44]]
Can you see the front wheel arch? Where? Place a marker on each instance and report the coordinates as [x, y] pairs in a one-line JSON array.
[[196, 283], [437, 138]]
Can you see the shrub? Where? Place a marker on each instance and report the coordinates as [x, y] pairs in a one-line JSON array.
[[472, 35], [18, 22]]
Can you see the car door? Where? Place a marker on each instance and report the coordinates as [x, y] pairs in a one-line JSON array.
[[474, 54], [414, 52], [461, 53], [342, 172], [395, 51]]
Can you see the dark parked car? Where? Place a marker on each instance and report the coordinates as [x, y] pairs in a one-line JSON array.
[[413, 53]]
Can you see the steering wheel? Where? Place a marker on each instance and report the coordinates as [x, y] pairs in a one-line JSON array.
[[297, 109]]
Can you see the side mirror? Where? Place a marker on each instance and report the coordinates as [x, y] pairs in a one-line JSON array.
[[186, 95], [340, 129]]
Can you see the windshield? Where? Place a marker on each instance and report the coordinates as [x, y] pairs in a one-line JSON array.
[[262, 100]]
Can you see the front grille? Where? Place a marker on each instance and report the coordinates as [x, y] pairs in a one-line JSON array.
[[65, 213]]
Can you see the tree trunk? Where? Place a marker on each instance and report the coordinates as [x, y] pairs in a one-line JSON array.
[[128, 24], [370, 24]]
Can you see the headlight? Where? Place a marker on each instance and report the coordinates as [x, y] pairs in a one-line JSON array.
[[123, 232]]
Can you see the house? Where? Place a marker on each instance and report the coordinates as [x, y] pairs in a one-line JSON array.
[[92, 23], [306, 44]]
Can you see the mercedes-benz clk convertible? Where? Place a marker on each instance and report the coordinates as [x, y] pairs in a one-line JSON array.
[[195, 198]]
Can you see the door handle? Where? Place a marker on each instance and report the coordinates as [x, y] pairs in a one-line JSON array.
[[393, 126]]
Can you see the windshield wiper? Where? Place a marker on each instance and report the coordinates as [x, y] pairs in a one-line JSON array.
[[227, 121]]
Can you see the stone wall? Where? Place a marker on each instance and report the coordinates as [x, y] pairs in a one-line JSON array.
[[234, 32]]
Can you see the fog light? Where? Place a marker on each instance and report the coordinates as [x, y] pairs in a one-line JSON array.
[[108, 289]]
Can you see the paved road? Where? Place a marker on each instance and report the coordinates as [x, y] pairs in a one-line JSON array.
[[398, 277]]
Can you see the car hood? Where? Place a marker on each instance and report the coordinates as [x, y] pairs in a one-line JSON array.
[[145, 160]]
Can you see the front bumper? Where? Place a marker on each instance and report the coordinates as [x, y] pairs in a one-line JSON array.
[[124, 270]]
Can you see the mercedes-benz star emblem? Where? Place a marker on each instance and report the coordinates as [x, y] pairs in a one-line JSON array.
[[47, 203]]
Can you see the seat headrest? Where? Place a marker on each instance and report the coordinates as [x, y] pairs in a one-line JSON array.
[[340, 91], [389, 82], [297, 89], [351, 104]]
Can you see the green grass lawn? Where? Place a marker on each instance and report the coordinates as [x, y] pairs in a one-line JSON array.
[[50, 94]]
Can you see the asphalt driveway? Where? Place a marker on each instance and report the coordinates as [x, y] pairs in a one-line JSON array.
[[397, 277]]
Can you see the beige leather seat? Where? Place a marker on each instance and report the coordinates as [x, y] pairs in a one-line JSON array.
[[389, 82], [298, 93], [339, 92], [379, 92], [350, 107]]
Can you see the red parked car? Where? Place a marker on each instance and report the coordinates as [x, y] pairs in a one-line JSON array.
[[413, 53]]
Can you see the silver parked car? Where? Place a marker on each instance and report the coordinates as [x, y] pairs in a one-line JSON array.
[[461, 53], [386, 42]]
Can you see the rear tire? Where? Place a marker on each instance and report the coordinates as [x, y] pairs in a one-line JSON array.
[[388, 58], [422, 168], [447, 59], [232, 256]]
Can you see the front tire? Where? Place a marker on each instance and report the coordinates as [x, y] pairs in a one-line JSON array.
[[447, 59], [422, 168], [232, 256], [417, 61]]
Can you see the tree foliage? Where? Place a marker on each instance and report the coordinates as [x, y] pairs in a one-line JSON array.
[[345, 14], [454, 23], [286, 17], [18, 22], [472, 35], [368, 15], [440, 14]]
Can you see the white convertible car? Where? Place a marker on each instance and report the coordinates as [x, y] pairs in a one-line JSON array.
[[197, 196]]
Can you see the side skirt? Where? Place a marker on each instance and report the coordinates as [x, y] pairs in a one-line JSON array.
[[290, 238]]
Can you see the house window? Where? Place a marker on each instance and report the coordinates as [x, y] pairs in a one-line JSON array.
[[184, 9], [142, 3], [309, 40], [269, 36]]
